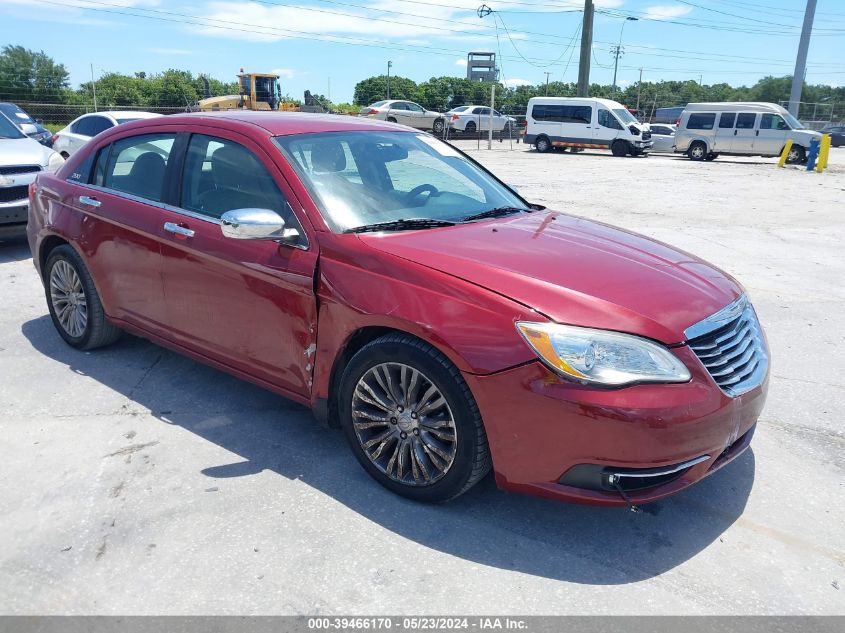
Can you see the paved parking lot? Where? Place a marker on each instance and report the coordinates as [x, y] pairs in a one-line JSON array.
[[135, 481]]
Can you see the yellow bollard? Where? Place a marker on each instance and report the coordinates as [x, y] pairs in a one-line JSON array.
[[785, 153], [824, 151]]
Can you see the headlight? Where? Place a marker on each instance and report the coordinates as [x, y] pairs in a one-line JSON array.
[[55, 161], [601, 357]]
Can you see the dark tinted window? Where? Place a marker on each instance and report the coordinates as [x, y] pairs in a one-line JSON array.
[[772, 122], [398, 106], [413, 107], [606, 119], [221, 175], [745, 120], [562, 113], [726, 120], [91, 125], [137, 165], [701, 121]]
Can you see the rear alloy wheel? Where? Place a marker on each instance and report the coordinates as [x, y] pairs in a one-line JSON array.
[[439, 126], [619, 148], [796, 155], [542, 144], [411, 420], [470, 127], [74, 304], [697, 151]]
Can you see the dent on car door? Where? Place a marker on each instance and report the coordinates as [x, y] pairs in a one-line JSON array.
[[248, 304], [121, 201]]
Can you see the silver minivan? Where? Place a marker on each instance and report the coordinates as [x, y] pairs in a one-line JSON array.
[[707, 130]]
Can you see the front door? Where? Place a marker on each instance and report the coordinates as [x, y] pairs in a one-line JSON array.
[[248, 304], [771, 136], [607, 128]]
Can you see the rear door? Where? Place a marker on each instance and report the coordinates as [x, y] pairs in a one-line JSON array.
[[723, 140], [122, 205], [771, 135], [248, 304], [744, 133]]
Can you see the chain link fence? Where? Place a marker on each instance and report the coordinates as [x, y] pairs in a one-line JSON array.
[[62, 114]]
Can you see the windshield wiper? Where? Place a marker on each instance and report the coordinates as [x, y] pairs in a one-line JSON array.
[[400, 225], [495, 213]]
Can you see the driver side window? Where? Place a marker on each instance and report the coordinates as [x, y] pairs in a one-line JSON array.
[[606, 119]]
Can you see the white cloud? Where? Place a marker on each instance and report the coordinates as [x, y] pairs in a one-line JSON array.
[[287, 73], [169, 51], [666, 12], [461, 62], [513, 83]]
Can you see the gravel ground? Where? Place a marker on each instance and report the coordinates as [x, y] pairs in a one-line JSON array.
[[135, 481]]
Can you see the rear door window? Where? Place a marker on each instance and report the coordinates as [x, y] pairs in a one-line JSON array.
[[726, 120], [745, 120], [136, 165], [91, 125], [701, 121]]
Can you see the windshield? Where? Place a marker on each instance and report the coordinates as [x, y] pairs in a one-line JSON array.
[[459, 109], [9, 129], [15, 114], [794, 123], [362, 178], [625, 116]]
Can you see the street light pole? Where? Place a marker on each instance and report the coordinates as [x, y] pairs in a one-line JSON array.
[[389, 64], [618, 52], [801, 59], [547, 73]]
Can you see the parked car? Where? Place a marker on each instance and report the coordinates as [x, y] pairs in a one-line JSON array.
[[575, 122], [399, 289], [472, 118], [407, 113], [663, 137], [21, 159], [707, 130], [29, 126], [668, 115], [837, 134], [82, 129]]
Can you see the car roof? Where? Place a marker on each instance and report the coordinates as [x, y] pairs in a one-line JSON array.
[[735, 106], [276, 123]]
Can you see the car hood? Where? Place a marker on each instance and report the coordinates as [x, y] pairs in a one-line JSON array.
[[574, 271], [23, 151]]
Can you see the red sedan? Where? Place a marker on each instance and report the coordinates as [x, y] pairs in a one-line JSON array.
[[392, 284]]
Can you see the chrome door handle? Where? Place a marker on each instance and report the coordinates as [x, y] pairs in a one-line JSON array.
[[171, 227], [89, 202]]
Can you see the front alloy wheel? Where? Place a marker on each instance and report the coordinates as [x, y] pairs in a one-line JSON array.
[[404, 424], [68, 298]]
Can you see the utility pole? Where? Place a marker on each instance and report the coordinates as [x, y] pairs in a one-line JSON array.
[[94, 87], [389, 64], [547, 73], [586, 48], [639, 89], [801, 60], [617, 51]]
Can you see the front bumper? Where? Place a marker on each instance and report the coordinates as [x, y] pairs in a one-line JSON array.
[[541, 427]]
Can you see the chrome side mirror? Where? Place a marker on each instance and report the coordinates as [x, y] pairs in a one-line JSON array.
[[255, 224], [28, 128]]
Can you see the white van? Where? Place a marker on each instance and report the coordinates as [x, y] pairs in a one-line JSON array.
[[579, 122], [707, 130]]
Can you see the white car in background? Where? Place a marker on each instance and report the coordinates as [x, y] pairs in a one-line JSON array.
[[21, 160], [407, 113], [663, 135], [471, 118], [72, 137]]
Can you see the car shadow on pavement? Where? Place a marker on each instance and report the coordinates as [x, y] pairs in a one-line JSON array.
[[14, 249], [486, 526]]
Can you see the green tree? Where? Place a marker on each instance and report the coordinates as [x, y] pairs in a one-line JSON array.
[[375, 89], [27, 75]]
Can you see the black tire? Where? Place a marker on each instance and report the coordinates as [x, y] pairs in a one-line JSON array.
[[697, 151], [391, 119], [471, 460], [470, 127], [711, 157], [797, 155], [439, 126], [97, 331], [542, 144], [619, 148]]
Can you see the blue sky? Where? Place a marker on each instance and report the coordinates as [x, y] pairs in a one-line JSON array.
[[328, 45]]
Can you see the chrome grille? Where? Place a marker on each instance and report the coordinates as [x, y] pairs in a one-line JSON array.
[[731, 345], [646, 135], [9, 170]]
